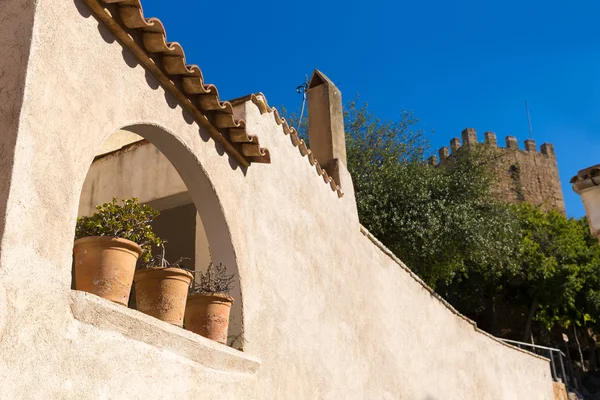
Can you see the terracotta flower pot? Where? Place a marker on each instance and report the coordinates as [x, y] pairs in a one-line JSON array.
[[208, 315], [162, 293], [105, 266]]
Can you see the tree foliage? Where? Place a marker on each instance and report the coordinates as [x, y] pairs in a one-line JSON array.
[[558, 267], [440, 221], [484, 255]]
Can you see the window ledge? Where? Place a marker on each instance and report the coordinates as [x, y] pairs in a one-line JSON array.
[[103, 314]]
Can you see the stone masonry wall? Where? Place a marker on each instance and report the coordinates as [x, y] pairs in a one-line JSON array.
[[524, 174]]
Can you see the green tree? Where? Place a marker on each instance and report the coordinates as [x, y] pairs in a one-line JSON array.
[[484, 256], [560, 275], [440, 221], [553, 259]]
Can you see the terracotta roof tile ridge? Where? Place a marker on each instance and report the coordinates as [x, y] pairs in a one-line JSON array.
[[166, 61], [260, 101]]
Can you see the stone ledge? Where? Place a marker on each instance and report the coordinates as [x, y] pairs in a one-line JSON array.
[[103, 314]]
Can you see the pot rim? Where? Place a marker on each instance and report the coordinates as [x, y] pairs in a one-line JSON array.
[[162, 273], [216, 296], [111, 241]]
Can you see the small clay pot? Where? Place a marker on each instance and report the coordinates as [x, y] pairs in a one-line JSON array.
[[162, 293], [105, 265], [208, 315]]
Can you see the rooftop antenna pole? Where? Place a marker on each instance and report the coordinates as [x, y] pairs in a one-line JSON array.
[[528, 120], [302, 89]]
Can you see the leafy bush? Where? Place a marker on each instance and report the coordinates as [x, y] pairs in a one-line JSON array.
[[131, 221], [214, 281]]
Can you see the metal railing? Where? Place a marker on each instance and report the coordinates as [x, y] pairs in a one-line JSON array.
[[558, 359]]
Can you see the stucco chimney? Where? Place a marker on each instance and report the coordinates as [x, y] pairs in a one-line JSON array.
[[325, 121]]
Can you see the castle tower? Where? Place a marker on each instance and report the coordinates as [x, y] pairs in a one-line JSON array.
[[524, 174]]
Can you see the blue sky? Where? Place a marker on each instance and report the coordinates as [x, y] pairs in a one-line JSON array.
[[455, 64]]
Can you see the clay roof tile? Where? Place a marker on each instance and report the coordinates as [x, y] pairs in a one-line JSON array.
[[166, 60]]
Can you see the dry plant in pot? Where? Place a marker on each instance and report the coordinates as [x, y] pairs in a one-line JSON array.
[[209, 304], [161, 289], [108, 245]]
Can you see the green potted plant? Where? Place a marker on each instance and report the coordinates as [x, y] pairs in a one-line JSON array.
[[161, 288], [108, 245], [209, 304]]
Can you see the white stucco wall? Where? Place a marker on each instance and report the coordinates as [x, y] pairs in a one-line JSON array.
[[140, 171], [327, 314]]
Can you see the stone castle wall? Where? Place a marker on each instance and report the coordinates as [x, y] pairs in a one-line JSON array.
[[524, 174]]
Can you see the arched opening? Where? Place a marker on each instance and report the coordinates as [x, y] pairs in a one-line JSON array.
[[150, 164]]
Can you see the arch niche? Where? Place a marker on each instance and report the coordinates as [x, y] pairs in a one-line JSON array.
[[59, 107], [206, 202]]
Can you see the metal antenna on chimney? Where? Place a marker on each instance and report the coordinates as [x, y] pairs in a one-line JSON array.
[[528, 120], [302, 89]]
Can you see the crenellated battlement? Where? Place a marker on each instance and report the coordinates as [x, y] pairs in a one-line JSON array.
[[469, 138], [525, 174]]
